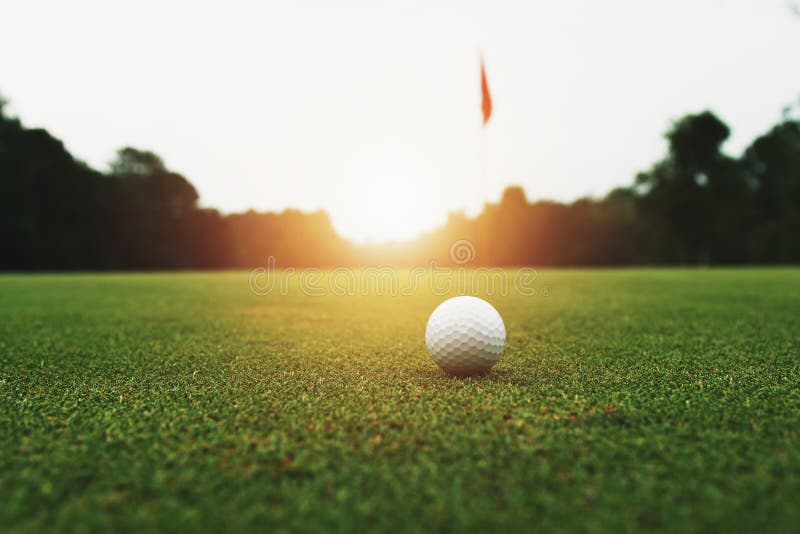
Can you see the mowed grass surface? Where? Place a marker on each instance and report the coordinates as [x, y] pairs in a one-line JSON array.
[[626, 400]]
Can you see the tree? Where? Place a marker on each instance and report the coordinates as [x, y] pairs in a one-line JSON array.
[[691, 196], [773, 162], [153, 209], [47, 201]]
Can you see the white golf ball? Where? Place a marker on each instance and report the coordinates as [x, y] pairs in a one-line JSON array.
[[465, 336]]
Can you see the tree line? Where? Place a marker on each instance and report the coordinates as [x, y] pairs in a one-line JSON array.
[[697, 205]]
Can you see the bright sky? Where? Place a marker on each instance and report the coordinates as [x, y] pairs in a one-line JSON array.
[[371, 110]]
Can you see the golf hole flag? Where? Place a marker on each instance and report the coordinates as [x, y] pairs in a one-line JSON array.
[[486, 100]]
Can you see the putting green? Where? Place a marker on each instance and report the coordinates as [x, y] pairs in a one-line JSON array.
[[625, 400]]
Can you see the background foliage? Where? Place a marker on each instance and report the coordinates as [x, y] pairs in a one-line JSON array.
[[697, 205]]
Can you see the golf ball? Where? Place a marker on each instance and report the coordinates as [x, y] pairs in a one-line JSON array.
[[465, 335]]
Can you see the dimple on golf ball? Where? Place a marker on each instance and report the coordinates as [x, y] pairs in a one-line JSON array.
[[465, 336]]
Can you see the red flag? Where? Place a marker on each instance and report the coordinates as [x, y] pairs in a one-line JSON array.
[[486, 103]]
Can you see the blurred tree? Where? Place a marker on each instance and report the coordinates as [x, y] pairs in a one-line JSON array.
[[621, 236], [48, 201], [153, 186], [153, 212], [696, 205], [773, 162], [506, 227], [693, 194], [133, 162]]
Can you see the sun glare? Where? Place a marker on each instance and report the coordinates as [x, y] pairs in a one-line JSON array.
[[389, 208]]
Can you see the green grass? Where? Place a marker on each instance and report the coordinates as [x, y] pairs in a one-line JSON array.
[[625, 400]]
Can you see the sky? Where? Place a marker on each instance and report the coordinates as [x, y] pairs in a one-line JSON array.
[[371, 110]]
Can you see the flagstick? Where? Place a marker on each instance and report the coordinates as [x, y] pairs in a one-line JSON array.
[[484, 155], [486, 111], [484, 244]]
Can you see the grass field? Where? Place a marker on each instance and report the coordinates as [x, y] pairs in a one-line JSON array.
[[625, 400]]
